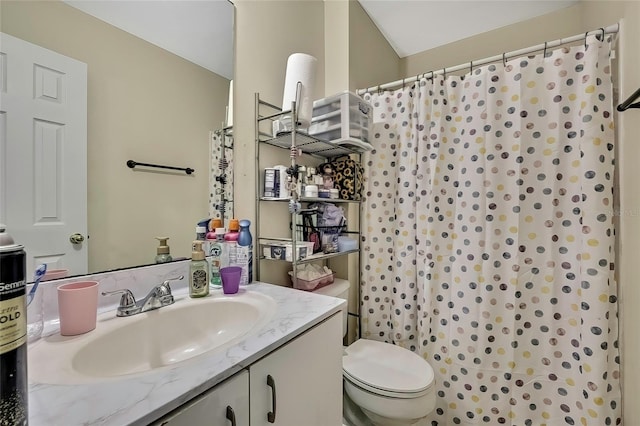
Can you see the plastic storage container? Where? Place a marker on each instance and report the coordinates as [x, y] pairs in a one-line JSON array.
[[319, 282], [347, 244], [343, 119]]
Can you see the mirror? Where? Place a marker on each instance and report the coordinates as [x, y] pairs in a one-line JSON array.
[[144, 104]]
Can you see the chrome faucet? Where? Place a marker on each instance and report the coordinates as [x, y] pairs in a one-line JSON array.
[[158, 297]]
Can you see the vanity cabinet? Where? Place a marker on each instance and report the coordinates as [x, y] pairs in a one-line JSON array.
[[225, 404], [299, 383]]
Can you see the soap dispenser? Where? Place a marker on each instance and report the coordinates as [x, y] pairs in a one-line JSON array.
[[198, 272], [162, 253]]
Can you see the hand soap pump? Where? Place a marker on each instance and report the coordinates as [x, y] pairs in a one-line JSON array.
[[162, 253], [198, 272]]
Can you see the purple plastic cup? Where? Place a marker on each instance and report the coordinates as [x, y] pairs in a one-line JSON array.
[[230, 279]]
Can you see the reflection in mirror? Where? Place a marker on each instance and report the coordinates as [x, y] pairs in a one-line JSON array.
[[222, 175], [142, 103]]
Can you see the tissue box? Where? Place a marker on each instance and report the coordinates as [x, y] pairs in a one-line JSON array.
[[283, 250], [343, 119]]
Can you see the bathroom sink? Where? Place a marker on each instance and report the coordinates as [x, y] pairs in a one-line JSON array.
[[142, 343]]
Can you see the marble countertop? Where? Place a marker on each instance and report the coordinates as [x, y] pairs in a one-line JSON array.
[[142, 398]]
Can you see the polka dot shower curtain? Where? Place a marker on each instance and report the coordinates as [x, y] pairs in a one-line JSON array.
[[488, 243]]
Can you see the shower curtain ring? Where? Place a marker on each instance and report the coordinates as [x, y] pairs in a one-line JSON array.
[[602, 29], [585, 39], [432, 75], [544, 55], [471, 67], [504, 59], [444, 72]]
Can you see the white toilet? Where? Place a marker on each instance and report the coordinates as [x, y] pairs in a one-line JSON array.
[[390, 385]]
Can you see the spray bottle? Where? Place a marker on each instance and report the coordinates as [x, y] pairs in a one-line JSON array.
[[245, 240]]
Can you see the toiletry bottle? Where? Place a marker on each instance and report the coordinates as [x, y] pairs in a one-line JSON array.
[[14, 393], [215, 262], [201, 229], [213, 225], [232, 234], [245, 240], [201, 233], [198, 272], [162, 252], [231, 242]]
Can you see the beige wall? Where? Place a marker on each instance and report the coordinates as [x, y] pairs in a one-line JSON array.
[[336, 46], [577, 19], [350, 51], [267, 32], [145, 104], [371, 59], [563, 23], [596, 14], [355, 54]]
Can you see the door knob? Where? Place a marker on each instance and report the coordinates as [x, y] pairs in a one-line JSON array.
[[76, 238]]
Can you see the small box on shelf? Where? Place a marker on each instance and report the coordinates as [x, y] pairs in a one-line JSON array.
[[283, 250]]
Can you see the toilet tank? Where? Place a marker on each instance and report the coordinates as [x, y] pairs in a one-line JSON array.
[[339, 288]]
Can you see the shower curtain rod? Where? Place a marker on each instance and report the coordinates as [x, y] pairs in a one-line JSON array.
[[611, 29]]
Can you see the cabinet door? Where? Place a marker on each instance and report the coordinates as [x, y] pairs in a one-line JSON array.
[[301, 383], [225, 405]]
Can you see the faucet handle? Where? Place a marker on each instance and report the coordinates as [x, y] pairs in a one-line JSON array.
[[166, 288], [126, 301]]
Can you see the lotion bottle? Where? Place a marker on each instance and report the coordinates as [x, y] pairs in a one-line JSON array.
[[198, 272]]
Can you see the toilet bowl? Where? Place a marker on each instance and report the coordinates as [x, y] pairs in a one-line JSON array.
[[389, 385]]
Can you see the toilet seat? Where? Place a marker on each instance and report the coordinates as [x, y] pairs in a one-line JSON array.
[[387, 370]]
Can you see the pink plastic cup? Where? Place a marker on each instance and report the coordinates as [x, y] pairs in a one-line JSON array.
[[230, 279], [78, 307]]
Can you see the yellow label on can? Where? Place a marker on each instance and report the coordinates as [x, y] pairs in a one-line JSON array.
[[13, 323]]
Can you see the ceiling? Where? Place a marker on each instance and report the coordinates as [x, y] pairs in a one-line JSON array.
[[412, 26], [201, 31]]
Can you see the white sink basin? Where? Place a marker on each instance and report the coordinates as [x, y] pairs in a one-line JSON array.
[[150, 340]]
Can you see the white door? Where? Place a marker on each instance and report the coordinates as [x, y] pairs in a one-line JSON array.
[[300, 383], [43, 153]]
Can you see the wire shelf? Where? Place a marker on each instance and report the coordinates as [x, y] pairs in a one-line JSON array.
[[310, 145]]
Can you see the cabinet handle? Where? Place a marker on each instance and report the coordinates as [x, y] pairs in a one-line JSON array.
[[231, 415], [271, 415]]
